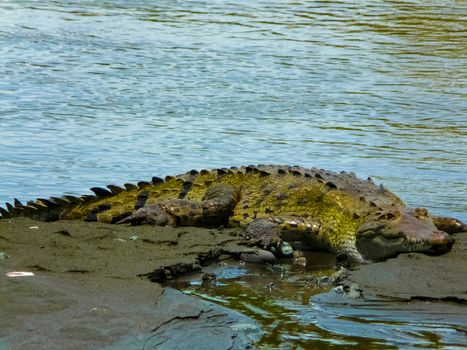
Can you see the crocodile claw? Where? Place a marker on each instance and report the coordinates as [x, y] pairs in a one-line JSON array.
[[150, 214]]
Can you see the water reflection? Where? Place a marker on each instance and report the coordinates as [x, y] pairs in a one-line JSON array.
[[293, 304]]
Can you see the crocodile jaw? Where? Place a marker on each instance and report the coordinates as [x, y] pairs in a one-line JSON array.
[[408, 232], [378, 247]]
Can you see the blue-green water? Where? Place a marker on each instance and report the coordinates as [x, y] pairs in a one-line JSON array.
[[98, 92]]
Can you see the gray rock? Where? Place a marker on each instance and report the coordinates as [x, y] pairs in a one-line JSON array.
[[258, 256], [184, 322]]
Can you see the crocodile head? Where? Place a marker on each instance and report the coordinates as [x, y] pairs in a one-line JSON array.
[[406, 230]]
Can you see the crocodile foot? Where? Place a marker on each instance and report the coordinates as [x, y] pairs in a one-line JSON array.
[[149, 214], [449, 225], [266, 234]]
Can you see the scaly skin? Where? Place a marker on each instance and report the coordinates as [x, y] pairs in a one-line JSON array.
[[334, 212]]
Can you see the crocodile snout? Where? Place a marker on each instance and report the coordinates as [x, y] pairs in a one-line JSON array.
[[441, 242]]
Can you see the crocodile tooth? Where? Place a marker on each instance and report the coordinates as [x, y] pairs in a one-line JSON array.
[[143, 184], [115, 189], [17, 203], [130, 187], [156, 180]]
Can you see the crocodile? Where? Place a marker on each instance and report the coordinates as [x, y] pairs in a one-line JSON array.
[[275, 204]]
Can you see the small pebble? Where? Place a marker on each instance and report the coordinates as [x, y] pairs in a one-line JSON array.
[[300, 261], [323, 280], [4, 255], [33, 227], [133, 238], [286, 250], [19, 274], [258, 257], [339, 289], [355, 292]]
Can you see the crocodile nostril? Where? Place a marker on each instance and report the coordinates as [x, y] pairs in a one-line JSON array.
[[441, 243]]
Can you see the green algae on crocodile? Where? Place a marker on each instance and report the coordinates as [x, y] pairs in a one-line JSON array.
[[330, 211]]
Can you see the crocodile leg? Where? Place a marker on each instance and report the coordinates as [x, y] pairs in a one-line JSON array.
[[213, 210], [449, 225], [267, 234]]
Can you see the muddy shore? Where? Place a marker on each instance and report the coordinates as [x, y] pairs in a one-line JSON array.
[[92, 288], [97, 285], [417, 276]]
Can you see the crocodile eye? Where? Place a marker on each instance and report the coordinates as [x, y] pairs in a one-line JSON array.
[[421, 212], [388, 216]]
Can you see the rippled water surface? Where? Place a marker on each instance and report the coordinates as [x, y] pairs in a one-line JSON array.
[[98, 92], [290, 303]]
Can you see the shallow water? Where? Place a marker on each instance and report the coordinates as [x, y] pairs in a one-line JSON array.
[[299, 310], [98, 92]]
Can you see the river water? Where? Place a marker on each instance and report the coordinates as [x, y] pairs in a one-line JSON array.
[[99, 92]]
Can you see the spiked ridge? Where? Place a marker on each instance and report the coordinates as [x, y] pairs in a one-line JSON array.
[[332, 211]]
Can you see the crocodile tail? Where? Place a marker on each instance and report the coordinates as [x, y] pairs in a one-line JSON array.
[[42, 209], [55, 208]]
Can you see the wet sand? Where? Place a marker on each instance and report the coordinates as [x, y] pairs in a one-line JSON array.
[[96, 285]]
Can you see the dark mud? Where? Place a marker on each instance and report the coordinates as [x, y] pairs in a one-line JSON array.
[[417, 276], [98, 286], [91, 288]]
